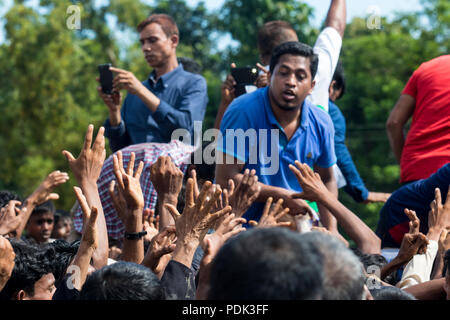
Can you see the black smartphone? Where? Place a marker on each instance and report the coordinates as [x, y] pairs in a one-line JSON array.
[[106, 78], [243, 76]]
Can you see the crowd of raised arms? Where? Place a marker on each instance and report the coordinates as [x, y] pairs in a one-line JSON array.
[[252, 213]]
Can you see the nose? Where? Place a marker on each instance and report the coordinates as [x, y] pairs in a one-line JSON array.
[[290, 80]]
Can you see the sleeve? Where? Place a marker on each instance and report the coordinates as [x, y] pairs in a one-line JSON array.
[[418, 270], [411, 87], [327, 156], [118, 136], [178, 281], [236, 140], [327, 47], [192, 107]]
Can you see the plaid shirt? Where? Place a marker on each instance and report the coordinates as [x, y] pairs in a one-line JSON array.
[[148, 153]]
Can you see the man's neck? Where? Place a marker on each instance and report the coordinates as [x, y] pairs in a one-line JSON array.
[[171, 64]]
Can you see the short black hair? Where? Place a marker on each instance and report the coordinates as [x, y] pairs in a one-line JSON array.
[[47, 206], [122, 281], [339, 79], [298, 49], [64, 253], [31, 264], [6, 196], [190, 65], [377, 260], [272, 34], [391, 293], [266, 264]]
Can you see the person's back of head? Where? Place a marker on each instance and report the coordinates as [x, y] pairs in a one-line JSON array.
[[337, 87], [190, 65], [6, 196], [64, 253], [266, 264], [343, 272], [272, 34], [391, 293], [31, 264], [122, 281]]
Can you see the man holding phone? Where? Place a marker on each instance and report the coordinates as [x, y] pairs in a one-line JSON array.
[[171, 98]]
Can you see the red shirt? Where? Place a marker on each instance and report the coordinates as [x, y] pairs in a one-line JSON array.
[[427, 146]]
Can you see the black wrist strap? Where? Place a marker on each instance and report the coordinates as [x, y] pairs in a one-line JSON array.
[[134, 235]]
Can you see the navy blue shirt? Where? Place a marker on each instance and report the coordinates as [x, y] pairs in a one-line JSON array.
[[355, 186], [183, 97], [267, 149], [417, 196]]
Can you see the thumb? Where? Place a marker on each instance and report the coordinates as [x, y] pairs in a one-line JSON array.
[[172, 210], [253, 223], [93, 217], [68, 155], [53, 196]]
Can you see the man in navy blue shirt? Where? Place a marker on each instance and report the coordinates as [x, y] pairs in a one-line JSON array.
[[354, 185], [280, 127], [171, 98]]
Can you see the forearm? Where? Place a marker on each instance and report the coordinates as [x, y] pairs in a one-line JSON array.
[[133, 250], [114, 117], [438, 266], [29, 204], [396, 140], [184, 251], [392, 266], [82, 261], [165, 218], [100, 256], [430, 290], [336, 17], [366, 240]]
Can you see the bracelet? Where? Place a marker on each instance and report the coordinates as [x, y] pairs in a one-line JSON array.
[[135, 235]]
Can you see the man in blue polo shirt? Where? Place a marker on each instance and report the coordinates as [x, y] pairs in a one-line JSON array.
[[272, 127], [171, 98]]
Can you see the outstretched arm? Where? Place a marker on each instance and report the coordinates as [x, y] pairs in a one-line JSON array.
[[336, 17]]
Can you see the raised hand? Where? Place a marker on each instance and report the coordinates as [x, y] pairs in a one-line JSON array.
[[228, 227], [11, 217], [439, 216], [161, 245], [44, 192], [263, 79], [197, 218], [167, 179], [313, 189], [410, 246], [246, 192], [271, 215], [414, 222], [150, 224], [227, 89], [90, 215], [88, 165], [118, 201]]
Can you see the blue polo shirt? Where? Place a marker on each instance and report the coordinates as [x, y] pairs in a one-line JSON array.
[[251, 134], [183, 99]]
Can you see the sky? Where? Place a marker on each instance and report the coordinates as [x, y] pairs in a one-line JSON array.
[[355, 8]]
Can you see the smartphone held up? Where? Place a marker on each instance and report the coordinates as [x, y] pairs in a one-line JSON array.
[[106, 78]]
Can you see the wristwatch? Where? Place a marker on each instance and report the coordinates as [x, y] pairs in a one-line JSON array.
[[135, 235]]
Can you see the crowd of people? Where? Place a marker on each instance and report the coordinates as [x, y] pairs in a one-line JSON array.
[[252, 213]]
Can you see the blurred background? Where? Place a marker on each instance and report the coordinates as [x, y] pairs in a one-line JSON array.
[[48, 90]]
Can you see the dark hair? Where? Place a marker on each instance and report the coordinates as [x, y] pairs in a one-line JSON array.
[[343, 272], [6, 196], [298, 49], [64, 253], [47, 206], [339, 79], [370, 260], [190, 65], [272, 34], [166, 22], [266, 264], [122, 281], [31, 264], [391, 293]]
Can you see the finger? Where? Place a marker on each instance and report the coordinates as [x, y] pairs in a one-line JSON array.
[[253, 223], [277, 207], [437, 197], [172, 210], [282, 213], [117, 70], [195, 185], [210, 203], [203, 194], [112, 184], [82, 201], [284, 224], [262, 68], [226, 199], [68, 156], [120, 161], [53, 196], [138, 172], [131, 164], [190, 193], [117, 172], [235, 232], [88, 137], [213, 217], [245, 178], [233, 65], [231, 186], [297, 173], [93, 218], [99, 143], [236, 222], [443, 235], [267, 207]]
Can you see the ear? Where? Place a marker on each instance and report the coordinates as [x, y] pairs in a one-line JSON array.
[[175, 39], [313, 83], [21, 295]]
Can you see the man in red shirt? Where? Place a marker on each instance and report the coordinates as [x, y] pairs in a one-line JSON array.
[[426, 97]]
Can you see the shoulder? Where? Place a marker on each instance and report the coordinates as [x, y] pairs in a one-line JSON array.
[[190, 79], [249, 103], [318, 116]]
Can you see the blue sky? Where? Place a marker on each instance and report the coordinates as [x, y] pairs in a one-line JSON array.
[[355, 8]]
